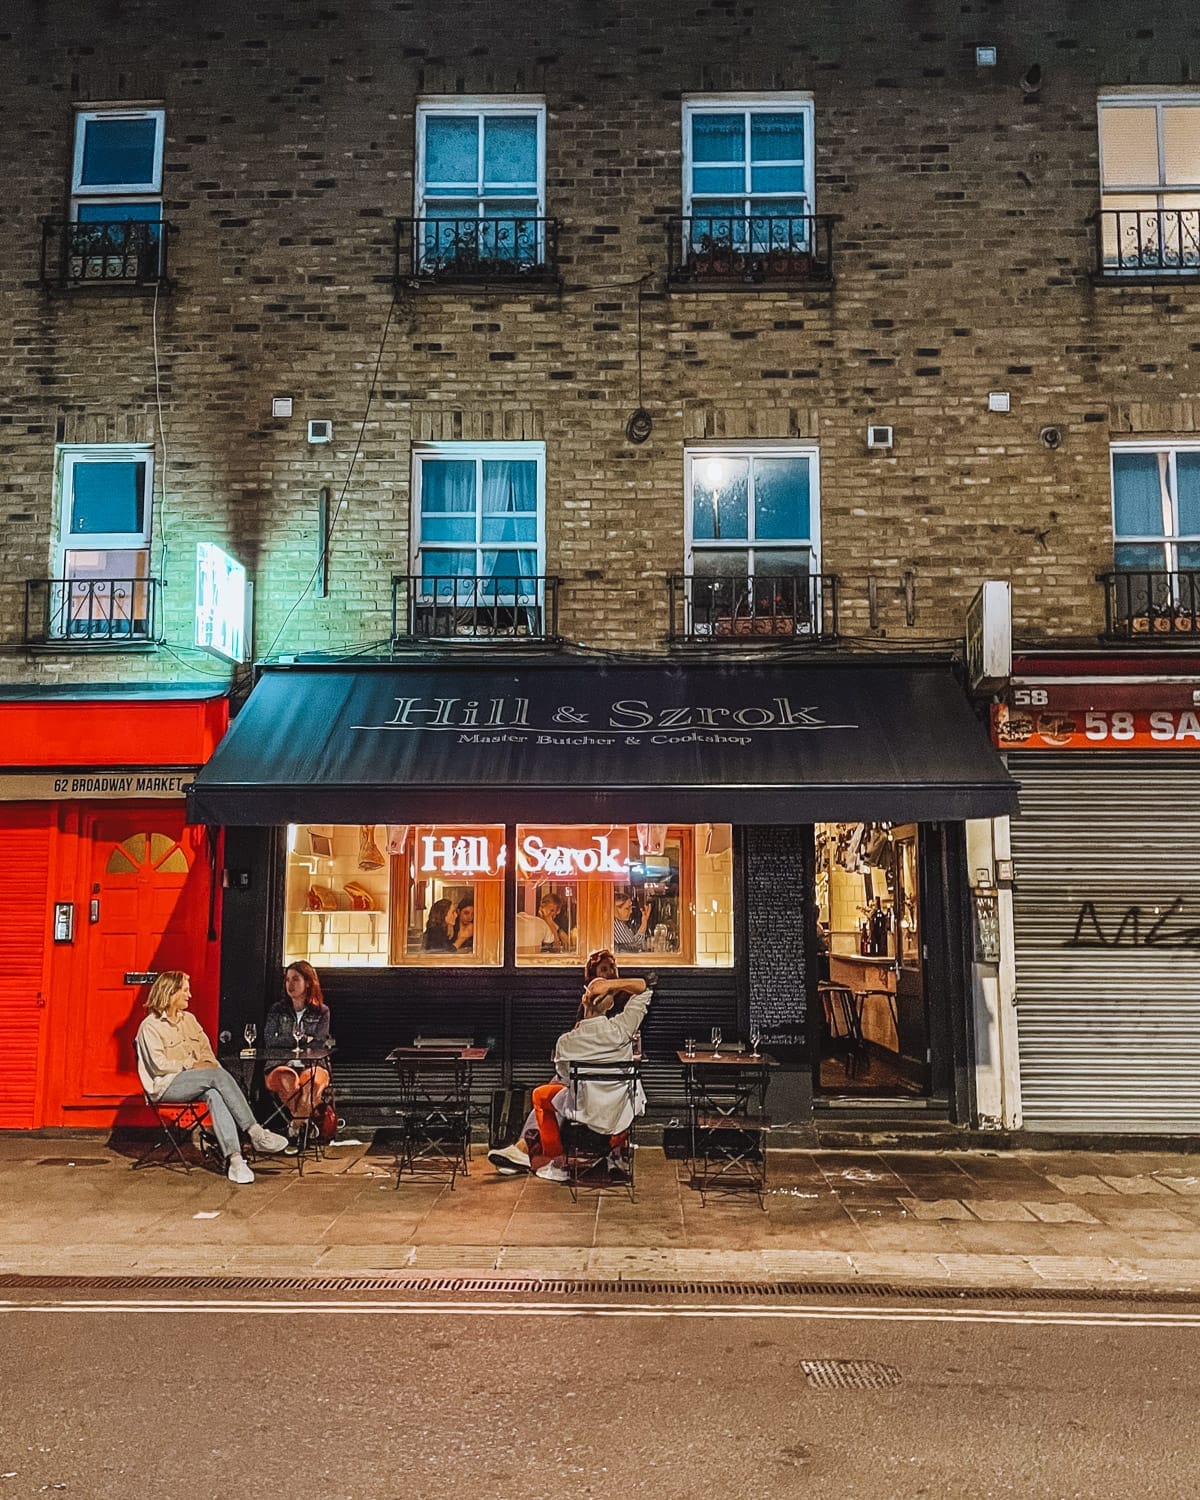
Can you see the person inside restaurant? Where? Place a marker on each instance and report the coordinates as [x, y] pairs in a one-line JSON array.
[[299, 1019], [629, 929], [439, 927], [176, 1065]]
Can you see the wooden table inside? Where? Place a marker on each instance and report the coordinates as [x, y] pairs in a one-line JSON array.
[[710, 1059]]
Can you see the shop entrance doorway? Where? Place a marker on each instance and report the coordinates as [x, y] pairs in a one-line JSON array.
[[872, 1008]]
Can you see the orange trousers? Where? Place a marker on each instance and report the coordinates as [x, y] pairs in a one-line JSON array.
[[547, 1121]]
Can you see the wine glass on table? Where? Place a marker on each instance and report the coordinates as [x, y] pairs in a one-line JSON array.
[[716, 1040], [298, 1033], [755, 1040], [250, 1032]]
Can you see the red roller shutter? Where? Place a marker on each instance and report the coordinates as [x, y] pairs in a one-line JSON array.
[[24, 880]]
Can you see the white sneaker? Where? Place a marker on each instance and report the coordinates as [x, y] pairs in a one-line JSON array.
[[266, 1140], [509, 1159], [552, 1172], [238, 1171]]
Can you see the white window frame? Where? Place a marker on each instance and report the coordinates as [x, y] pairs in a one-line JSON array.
[[116, 192], [1172, 536], [1160, 225], [737, 451], [748, 105], [478, 452], [478, 106], [70, 458], [75, 602]]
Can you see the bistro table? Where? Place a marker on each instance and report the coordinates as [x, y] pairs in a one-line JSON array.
[[253, 1064], [435, 1081], [728, 1124]]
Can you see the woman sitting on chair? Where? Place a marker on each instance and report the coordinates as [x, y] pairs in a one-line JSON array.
[[597, 1037], [176, 1065], [299, 1088]]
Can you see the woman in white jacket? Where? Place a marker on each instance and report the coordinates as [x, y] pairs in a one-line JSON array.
[[598, 1037]]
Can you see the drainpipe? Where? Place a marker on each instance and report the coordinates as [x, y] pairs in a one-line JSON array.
[[993, 979]]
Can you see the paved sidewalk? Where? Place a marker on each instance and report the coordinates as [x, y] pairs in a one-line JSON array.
[[953, 1218]]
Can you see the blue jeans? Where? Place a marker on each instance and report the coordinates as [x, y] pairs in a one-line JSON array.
[[226, 1102]]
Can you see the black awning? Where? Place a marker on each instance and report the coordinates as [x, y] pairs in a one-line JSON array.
[[580, 742]]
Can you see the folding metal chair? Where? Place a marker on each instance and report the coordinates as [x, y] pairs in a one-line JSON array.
[[588, 1151], [434, 1111], [180, 1125]]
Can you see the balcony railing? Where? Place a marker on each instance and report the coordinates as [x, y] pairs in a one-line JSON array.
[[740, 610], [114, 254], [90, 611], [512, 251], [750, 249], [1154, 604], [499, 607], [1148, 242]]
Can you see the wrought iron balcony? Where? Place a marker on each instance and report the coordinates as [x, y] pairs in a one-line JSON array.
[[509, 252], [1157, 605], [90, 611], [1149, 242], [115, 254], [740, 610], [498, 607], [750, 250]]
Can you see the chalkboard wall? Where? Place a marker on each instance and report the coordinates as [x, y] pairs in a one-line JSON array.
[[777, 885]]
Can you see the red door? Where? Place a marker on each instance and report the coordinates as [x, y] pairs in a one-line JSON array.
[[150, 884], [24, 887]]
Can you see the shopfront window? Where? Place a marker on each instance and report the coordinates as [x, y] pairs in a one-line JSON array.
[[653, 893], [376, 895]]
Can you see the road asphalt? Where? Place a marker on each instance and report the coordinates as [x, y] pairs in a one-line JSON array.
[[74, 1205]]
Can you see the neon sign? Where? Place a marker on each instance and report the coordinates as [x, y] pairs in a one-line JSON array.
[[605, 856], [545, 853]]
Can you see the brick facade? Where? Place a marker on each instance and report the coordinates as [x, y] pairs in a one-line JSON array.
[[962, 265]]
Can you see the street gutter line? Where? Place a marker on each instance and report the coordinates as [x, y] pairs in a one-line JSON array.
[[283, 1308]]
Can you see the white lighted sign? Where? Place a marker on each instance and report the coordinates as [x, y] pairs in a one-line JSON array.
[[221, 597], [989, 637], [451, 853], [603, 856], [545, 853]]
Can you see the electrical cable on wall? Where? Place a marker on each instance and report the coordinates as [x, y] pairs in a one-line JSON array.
[[337, 509], [164, 541]]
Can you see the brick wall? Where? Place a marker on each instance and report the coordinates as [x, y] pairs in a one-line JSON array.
[[962, 261]]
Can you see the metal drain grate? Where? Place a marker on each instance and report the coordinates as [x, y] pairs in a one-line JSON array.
[[588, 1286], [849, 1374]]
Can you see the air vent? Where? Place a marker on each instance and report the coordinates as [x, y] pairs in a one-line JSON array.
[[879, 437], [320, 431]]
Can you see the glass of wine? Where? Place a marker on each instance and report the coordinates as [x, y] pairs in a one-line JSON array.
[[716, 1039], [250, 1032], [755, 1040], [298, 1032]]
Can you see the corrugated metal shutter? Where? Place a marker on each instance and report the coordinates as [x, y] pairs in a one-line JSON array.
[[24, 878], [1107, 918]]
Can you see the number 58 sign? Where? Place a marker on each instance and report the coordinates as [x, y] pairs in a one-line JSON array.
[[1029, 720]]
